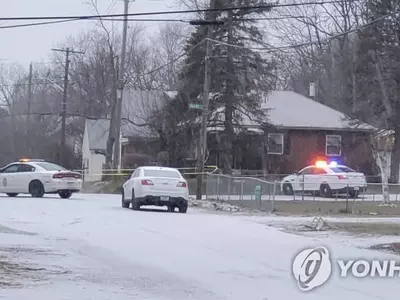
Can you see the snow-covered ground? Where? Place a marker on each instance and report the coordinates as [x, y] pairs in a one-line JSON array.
[[88, 247]]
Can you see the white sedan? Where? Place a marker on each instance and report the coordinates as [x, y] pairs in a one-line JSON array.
[[325, 179], [37, 177], [156, 186]]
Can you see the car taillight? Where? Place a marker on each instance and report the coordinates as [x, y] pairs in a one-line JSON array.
[[147, 182], [182, 184], [342, 176], [67, 175]]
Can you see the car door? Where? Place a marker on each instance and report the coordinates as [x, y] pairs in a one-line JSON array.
[[8, 180], [305, 179], [24, 175]]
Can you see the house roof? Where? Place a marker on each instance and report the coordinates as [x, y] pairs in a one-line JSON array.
[[287, 109], [292, 110], [137, 107]]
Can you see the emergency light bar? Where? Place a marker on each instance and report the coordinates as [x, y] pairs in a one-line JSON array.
[[27, 160], [324, 164]]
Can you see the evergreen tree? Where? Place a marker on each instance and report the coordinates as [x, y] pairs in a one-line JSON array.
[[238, 73]]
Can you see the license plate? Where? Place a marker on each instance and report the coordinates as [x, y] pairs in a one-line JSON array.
[[70, 182], [164, 198]]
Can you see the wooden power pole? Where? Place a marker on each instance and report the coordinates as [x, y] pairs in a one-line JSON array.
[[206, 100], [67, 52], [121, 82]]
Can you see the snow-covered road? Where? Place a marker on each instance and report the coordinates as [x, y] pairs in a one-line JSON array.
[[93, 249]]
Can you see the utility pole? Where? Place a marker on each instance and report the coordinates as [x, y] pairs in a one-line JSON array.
[[30, 89], [121, 83], [202, 147], [67, 52], [28, 117]]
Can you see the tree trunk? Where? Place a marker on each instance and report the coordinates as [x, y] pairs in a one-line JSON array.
[[395, 158], [383, 158]]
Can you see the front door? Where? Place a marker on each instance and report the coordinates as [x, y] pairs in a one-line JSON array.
[[8, 182]]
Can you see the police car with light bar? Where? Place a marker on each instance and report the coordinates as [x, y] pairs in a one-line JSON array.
[[37, 177], [156, 186], [325, 179]]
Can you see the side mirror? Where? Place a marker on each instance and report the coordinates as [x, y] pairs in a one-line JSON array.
[[296, 173]]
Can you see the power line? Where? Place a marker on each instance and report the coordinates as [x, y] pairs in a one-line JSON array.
[[87, 17], [173, 61], [38, 24], [312, 42]]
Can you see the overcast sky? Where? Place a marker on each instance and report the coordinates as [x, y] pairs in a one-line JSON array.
[[27, 44]]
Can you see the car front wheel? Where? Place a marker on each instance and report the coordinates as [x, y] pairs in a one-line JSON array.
[[12, 195], [135, 205], [123, 202]]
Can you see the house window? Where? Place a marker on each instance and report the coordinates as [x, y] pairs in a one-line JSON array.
[[275, 143], [333, 145]]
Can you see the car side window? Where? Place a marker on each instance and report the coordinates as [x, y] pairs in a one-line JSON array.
[[306, 171], [25, 168], [136, 173], [11, 169], [319, 171]]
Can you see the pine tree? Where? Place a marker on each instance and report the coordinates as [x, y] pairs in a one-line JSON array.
[[238, 73]]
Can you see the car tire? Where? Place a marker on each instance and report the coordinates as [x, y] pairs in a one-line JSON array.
[[12, 195], [353, 194], [183, 209], [325, 191], [65, 194], [135, 205], [287, 189], [171, 208], [36, 189], [123, 202]]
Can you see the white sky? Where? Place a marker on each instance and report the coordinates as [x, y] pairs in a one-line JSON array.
[[27, 44]]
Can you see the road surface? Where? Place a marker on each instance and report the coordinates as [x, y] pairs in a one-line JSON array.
[[88, 247]]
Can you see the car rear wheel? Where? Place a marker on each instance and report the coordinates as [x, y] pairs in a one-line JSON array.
[[12, 194], [287, 189], [135, 205], [36, 189], [171, 208], [183, 209], [123, 202], [325, 191], [65, 194]]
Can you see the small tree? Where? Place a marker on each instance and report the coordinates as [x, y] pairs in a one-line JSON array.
[[382, 146]]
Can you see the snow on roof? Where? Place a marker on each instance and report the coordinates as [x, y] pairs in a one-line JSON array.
[[292, 110]]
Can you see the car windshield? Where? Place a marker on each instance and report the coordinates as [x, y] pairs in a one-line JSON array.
[[161, 173], [51, 166], [342, 169]]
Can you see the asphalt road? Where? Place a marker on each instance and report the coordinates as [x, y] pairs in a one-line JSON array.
[[88, 247]]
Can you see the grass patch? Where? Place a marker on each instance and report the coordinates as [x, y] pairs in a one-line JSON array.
[[367, 228]]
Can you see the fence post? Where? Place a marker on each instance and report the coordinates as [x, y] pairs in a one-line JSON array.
[[302, 189], [229, 188], [273, 198], [347, 199], [217, 187], [241, 190]]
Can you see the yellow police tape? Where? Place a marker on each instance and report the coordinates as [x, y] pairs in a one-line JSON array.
[[129, 172]]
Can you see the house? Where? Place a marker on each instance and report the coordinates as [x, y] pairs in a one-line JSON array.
[[299, 131], [137, 139]]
